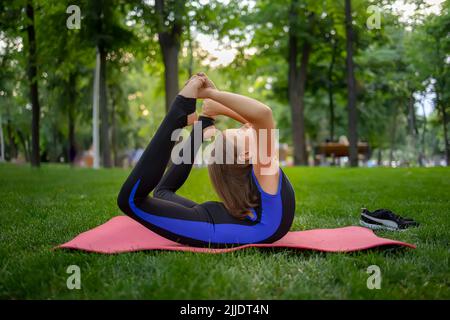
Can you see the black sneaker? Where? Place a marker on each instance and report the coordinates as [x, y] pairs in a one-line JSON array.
[[384, 219]]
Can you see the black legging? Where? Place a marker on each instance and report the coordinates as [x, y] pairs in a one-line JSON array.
[[182, 220]]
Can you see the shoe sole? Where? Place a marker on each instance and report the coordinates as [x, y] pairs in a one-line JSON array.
[[378, 226]]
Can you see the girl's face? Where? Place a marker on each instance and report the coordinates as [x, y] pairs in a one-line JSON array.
[[245, 137]]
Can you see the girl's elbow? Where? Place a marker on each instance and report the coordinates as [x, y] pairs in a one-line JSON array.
[[266, 113], [264, 118]]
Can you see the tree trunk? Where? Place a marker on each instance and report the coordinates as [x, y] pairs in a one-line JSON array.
[[191, 54], [103, 104], [114, 129], [393, 136], [26, 150], [95, 112], [444, 124], [379, 157], [424, 131], [330, 89], [351, 86], [170, 57], [306, 50], [440, 88], [2, 141], [413, 128], [12, 147], [52, 153], [169, 41], [292, 92], [441, 108], [72, 144], [71, 120], [296, 91], [33, 86]]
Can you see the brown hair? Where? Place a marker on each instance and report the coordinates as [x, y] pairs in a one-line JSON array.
[[233, 182]]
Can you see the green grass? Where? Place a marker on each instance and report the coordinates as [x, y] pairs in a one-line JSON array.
[[42, 208]]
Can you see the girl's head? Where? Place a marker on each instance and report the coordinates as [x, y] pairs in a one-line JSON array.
[[230, 170]]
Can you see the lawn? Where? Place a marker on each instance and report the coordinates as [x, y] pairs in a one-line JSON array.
[[41, 208]]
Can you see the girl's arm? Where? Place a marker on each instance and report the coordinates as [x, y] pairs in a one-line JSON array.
[[255, 112], [213, 108]]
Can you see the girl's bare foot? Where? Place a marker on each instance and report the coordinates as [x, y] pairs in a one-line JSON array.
[[190, 90]]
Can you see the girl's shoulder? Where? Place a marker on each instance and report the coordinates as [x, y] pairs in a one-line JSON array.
[[268, 181]]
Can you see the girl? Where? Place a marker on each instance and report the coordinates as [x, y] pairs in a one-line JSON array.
[[258, 203]]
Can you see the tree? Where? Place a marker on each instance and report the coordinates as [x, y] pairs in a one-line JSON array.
[[33, 83], [437, 28], [66, 59], [297, 78], [169, 35], [429, 42], [104, 28]]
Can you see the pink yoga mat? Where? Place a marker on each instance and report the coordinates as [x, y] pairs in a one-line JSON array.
[[123, 234]]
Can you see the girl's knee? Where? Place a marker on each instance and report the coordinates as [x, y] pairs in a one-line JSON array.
[[123, 199]]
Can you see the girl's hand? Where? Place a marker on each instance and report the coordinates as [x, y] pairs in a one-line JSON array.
[[211, 108]]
